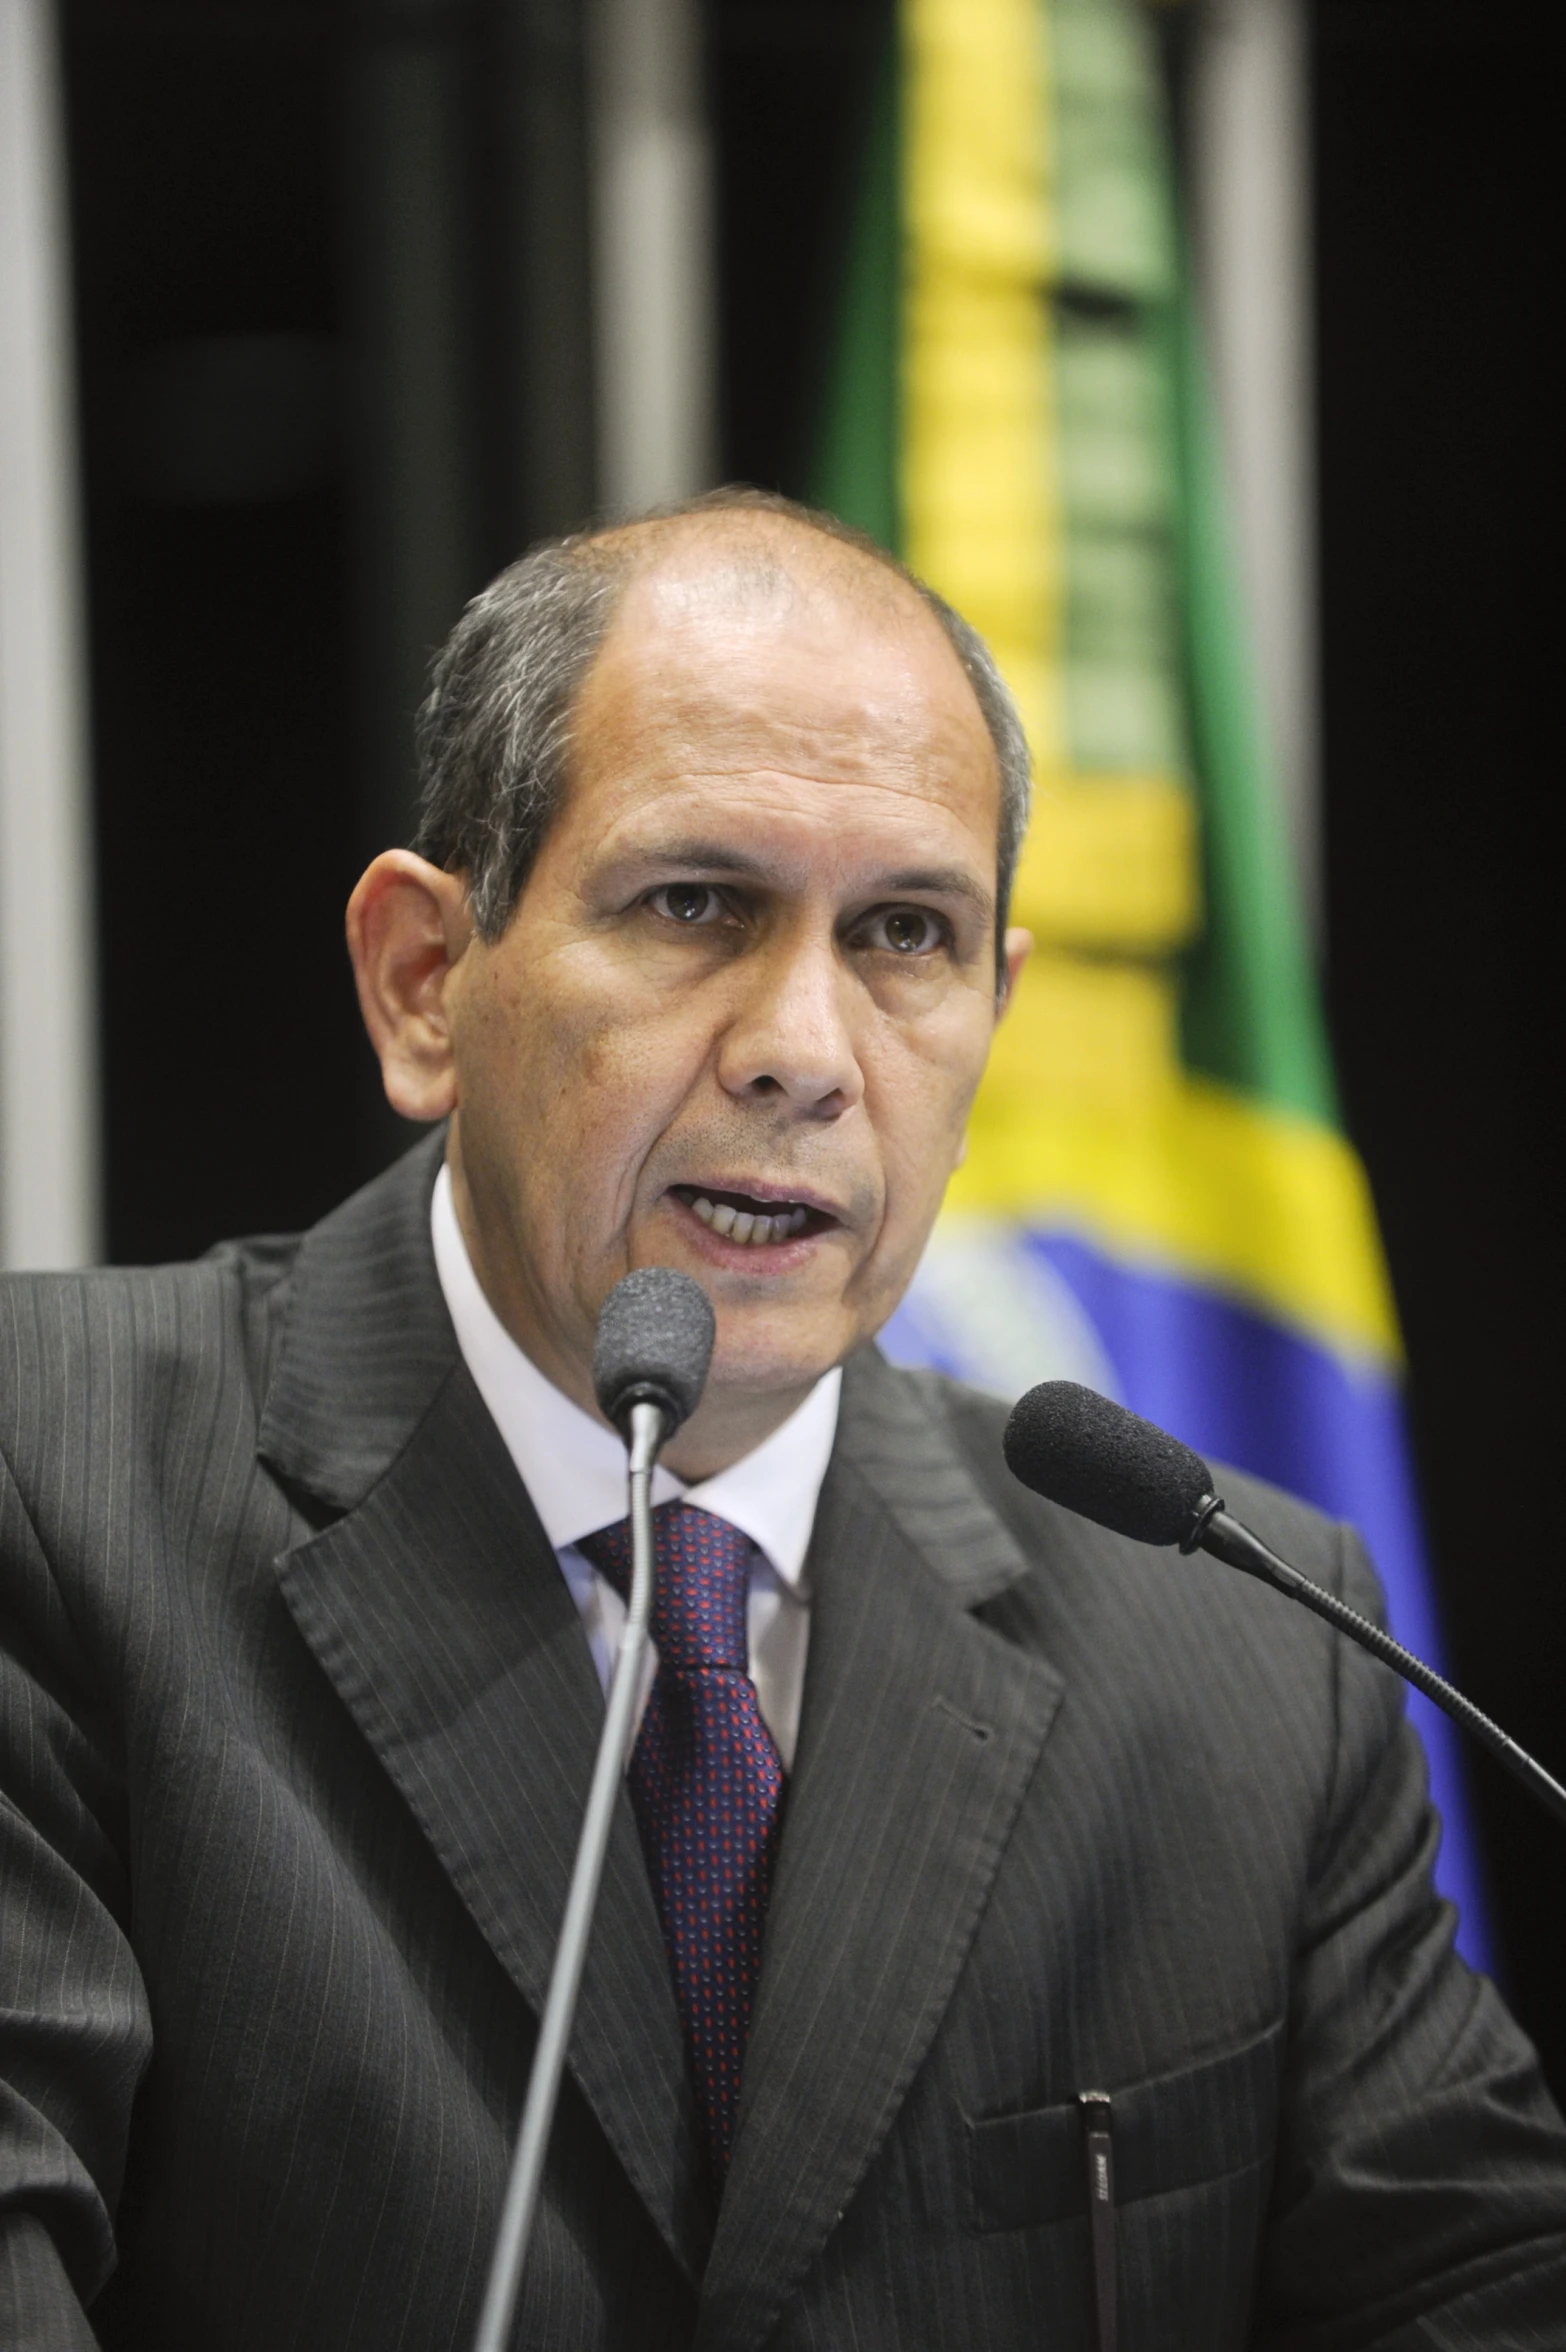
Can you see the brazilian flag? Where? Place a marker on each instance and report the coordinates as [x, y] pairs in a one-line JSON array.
[[1158, 1198]]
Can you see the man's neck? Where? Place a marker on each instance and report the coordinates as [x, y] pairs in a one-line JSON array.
[[725, 1428]]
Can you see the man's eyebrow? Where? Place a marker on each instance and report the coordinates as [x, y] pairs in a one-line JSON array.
[[940, 882], [701, 857], [721, 860]]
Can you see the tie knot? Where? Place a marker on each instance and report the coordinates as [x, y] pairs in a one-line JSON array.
[[701, 1588]]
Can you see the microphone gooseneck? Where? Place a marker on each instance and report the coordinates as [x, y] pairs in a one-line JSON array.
[[650, 1362], [1082, 1450]]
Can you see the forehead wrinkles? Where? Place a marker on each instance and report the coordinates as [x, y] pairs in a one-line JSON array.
[[699, 731], [711, 686]]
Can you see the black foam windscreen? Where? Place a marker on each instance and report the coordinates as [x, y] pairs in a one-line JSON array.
[[1083, 1450], [654, 1344]]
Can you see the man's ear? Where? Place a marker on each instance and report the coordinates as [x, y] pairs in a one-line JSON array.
[[409, 925], [1019, 946]]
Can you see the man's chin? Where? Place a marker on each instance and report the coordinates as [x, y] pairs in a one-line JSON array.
[[767, 1351]]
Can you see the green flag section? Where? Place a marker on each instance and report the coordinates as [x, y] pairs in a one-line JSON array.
[[856, 471], [1250, 1012], [1157, 1196]]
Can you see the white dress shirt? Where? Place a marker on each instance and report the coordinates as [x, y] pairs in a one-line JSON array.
[[574, 1469]]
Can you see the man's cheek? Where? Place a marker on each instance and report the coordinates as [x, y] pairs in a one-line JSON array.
[[644, 1068], [922, 1101], [579, 1063]]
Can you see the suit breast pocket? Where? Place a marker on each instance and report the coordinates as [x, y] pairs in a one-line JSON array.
[[1174, 2131]]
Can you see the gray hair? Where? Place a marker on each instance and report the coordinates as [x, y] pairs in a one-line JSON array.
[[494, 736]]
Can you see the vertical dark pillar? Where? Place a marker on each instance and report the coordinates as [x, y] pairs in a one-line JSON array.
[[467, 249], [545, 428], [411, 253], [468, 300], [790, 92]]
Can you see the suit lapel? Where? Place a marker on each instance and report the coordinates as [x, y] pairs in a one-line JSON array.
[[920, 1732], [437, 1608]]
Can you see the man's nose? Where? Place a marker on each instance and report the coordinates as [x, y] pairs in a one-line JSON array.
[[792, 1033]]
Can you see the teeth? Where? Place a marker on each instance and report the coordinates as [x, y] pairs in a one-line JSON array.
[[746, 1226]]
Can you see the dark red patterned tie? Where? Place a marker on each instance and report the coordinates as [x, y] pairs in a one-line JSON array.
[[706, 1786]]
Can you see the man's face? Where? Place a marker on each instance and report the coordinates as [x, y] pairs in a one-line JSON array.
[[737, 1020]]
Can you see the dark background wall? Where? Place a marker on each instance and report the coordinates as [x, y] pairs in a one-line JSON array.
[[1437, 226], [333, 322], [273, 203], [204, 153]]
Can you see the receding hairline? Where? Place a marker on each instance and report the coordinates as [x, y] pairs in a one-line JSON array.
[[763, 538], [840, 565]]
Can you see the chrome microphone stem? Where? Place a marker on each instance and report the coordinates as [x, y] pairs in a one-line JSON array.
[[554, 2033]]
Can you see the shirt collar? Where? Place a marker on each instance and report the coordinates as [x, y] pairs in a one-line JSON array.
[[574, 1467]]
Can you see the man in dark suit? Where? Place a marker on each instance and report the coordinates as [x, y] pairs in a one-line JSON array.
[[309, 1581]]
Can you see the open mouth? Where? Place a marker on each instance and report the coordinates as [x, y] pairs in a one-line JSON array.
[[740, 1217]]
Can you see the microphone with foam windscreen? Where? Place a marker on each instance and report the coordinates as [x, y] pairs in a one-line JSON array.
[[653, 1347], [1082, 1450], [650, 1359]]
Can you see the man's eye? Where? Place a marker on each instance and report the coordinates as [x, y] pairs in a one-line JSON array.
[[690, 903], [906, 931]]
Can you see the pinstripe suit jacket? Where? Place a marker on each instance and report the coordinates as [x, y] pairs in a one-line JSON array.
[[298, 1719]]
